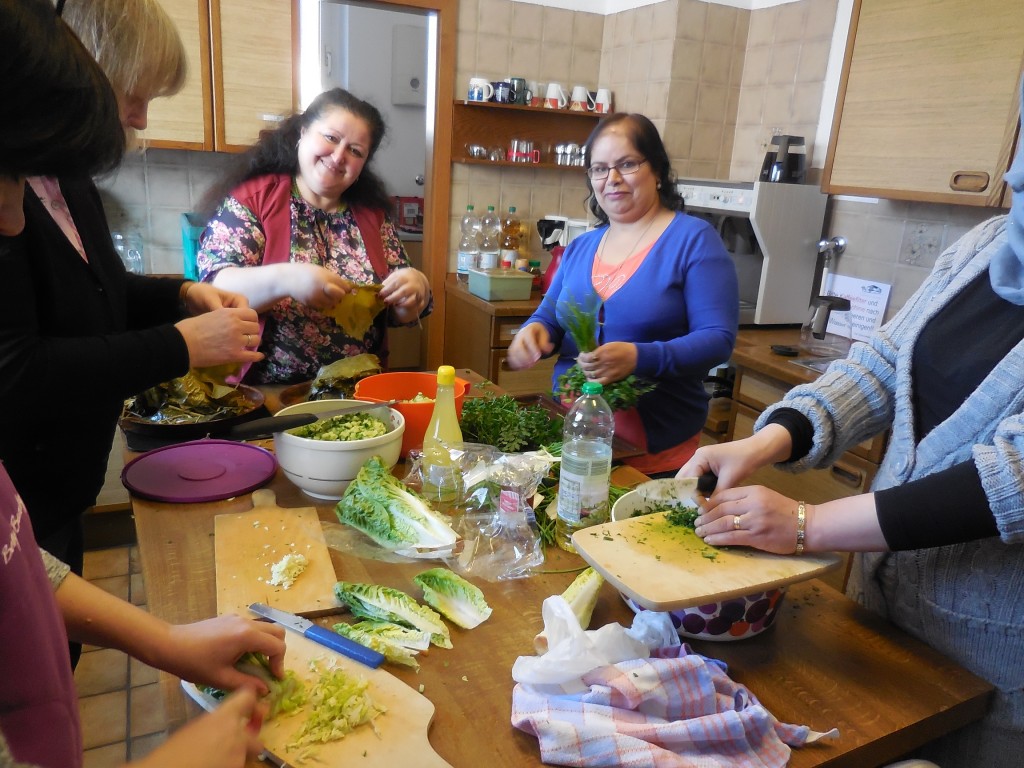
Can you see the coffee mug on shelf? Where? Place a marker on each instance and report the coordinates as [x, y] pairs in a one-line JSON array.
[[503, 92], [479, 90], [580, 100], [519, 88], [534, 96], [556, 97], [603, 101]]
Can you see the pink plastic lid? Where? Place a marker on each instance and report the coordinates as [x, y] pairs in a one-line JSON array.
[[201, 470]]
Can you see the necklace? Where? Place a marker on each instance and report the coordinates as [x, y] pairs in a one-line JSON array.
[[608, 278]]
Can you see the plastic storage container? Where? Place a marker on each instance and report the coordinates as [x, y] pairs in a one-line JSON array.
[[191, 230], [500, 284]]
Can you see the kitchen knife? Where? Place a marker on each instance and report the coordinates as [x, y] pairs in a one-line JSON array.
[[678, 488], [251, 430], [318, 634]]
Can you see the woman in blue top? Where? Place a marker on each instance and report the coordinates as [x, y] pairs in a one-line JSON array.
[[668, 289]]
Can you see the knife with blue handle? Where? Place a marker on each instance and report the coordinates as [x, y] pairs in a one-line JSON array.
[[318, 634]]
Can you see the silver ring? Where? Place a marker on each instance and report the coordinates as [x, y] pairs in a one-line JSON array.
[[736, 523]]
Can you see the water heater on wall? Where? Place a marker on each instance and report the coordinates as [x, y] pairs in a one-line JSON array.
[[408, 66]]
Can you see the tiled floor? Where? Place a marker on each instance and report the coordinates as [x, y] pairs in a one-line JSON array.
[[118, 697]]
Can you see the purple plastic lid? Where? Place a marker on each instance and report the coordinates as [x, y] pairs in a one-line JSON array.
[[201, 470]]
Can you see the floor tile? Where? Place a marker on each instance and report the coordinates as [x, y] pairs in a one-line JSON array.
[[134, 564], [110, 756], [101, 671], [138, 589], [104, 718], [101, 563], [118, 586], [143, 745], [141, 674], [147, 710]]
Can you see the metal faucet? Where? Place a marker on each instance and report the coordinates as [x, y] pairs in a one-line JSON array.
[[827, 249]]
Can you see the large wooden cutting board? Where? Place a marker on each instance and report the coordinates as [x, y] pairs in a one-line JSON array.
[[401, 737], [663, 567], [246, 546]]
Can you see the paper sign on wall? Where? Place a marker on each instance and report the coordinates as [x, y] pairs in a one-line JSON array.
[[868, 301]]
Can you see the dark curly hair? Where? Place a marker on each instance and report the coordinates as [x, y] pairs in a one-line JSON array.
[[275, 152], [647, 141]]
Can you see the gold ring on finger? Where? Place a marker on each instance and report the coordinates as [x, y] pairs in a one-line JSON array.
[[736, 523]]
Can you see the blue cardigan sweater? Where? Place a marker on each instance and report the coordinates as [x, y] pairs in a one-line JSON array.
[[680, 308]]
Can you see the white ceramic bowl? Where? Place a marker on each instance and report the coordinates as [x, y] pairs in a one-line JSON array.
[[734, 619], [324, 468]]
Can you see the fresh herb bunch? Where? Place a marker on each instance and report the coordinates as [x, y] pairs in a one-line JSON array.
[[620, 395], [546, 515], [581, 321], [508, 425]]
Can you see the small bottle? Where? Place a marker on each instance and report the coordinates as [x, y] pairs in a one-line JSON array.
[[510, 238], [469, 246], [441, 476], [537, 276], [490, 232], [586, 465]]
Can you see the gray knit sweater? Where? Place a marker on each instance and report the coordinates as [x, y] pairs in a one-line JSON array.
[[965, 600]]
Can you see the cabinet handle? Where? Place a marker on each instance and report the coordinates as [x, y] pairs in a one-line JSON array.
[[851, 477], [969, 181], [270, 118]]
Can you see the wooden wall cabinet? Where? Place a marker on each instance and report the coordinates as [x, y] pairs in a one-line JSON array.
[[241, 77], [477, 334], [495, 125], [927, 107]]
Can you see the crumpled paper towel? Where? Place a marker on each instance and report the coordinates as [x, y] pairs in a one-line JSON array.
[[574, 651]]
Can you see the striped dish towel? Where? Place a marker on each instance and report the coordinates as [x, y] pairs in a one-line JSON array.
[[676, 708]]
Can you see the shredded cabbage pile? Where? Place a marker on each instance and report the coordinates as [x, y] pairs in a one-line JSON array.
[[338, 704]]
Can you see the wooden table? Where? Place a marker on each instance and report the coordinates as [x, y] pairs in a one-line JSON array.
[[826, 663]]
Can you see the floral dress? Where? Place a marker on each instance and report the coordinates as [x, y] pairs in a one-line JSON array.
[[297, 339]]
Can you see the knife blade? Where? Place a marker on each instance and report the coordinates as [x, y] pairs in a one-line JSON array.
[[266, 426], [318, 634]]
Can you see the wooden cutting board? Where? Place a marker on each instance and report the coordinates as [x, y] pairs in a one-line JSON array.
[[401, 737], [663, 567], [246, 546]]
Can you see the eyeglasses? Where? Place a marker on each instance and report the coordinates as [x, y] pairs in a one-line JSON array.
[[625, 168]]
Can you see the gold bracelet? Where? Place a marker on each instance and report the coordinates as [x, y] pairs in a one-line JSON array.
[[801, 520]]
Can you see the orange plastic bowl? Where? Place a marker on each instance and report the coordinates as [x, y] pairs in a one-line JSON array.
[[403, 385]]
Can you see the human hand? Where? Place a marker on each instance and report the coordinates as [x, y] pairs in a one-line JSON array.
[[223, 738], [221, 336], [407, 292], [734, 461], [205, 652], [316, 286], [205, 297], [750, 516], [528, 346], [609, 363]]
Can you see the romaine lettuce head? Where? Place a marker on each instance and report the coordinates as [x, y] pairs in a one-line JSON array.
[[286, 694], [455, 598], [381, 506], [372, 601], [393, 651]]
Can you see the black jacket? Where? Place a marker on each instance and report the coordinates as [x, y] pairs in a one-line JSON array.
[[76, 339]]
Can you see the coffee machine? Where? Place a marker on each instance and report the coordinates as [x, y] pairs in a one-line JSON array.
[[786, 163], [772, 232]]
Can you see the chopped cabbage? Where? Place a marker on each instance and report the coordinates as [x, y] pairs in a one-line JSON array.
[[381, 641], [338, 704], [455, 598], [286, 694], [372, 601], [285, 571], [381, 506]]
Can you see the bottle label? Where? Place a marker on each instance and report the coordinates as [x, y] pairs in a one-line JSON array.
[[488, 259], [467, 261], [583, 490]]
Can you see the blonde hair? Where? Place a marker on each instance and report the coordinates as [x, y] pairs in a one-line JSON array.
[[135, 42]]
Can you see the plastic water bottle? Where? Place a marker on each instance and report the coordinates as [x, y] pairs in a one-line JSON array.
[[469, 246], [490, 231], [441, 476], [510, 239], [586, 465]]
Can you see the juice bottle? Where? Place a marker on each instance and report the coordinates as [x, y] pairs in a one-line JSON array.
[[441, 476]]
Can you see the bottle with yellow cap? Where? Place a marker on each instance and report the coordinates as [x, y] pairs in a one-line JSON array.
[[440, 475]]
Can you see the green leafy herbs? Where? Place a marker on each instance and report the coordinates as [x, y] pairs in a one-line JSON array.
[[581, 321], [675, 513], [620, 395], [507, 424]]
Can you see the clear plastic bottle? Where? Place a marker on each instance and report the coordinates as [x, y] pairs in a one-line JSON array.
[[441, 477], [469, 246], [510, 239], [586, 465], [490, 233]]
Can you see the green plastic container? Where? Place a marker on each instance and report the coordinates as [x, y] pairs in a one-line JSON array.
[[500, 284], [191, 230]]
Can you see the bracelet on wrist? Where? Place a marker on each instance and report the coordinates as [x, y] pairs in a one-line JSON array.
[[801, 523], [183, 295]]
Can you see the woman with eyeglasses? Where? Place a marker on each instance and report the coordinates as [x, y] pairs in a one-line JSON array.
[[300, 221], [666, 288]]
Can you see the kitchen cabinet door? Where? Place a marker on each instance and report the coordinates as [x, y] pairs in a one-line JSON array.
[[241, 75], [927, 108]]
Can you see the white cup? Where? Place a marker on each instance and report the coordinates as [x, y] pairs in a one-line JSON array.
[[480, 89], [603, 102], [580, 100], [534, 91], [556, 98]]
